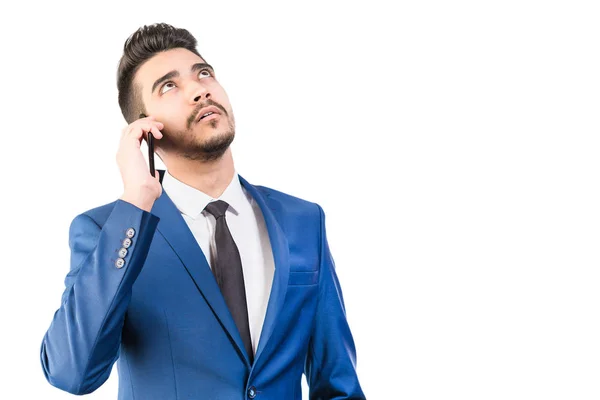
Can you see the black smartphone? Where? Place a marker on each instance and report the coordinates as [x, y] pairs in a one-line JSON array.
[[150, 142]]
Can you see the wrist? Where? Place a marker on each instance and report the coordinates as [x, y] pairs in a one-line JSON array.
[[139, 199]]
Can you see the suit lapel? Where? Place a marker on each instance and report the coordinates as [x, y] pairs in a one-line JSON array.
[[273, 215], [176, 232]]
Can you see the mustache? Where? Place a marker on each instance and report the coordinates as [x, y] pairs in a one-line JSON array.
[[199, 107]]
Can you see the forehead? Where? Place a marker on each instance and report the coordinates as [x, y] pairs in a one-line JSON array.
[[162, 63]]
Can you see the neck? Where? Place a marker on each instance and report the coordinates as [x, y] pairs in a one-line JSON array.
[[211, 177]]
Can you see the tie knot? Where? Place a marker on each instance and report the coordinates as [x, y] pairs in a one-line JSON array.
[[217, 208]]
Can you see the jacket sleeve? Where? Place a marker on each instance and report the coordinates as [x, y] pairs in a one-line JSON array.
[[83, 340], [331, 360]]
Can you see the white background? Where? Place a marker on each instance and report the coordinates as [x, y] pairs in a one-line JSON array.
[[452, 145]]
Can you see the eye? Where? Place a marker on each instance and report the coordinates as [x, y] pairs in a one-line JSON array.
[[207, 71], [204, 73], [164, 86]]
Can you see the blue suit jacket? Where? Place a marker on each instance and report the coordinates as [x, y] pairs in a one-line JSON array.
[[162, 315]]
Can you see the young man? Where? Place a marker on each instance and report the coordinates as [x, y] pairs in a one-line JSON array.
[[200, 284]]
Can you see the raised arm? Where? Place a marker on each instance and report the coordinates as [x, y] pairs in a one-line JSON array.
[[83, 340]]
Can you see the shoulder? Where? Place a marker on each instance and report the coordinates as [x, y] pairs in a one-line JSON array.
[[295, 213], [291, 203]]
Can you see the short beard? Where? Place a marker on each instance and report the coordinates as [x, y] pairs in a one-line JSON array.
[[183, 144]]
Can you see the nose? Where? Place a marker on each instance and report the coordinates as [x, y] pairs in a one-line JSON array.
[[198, 93]]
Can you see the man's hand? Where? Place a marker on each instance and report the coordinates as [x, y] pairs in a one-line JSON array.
[[140, 188]]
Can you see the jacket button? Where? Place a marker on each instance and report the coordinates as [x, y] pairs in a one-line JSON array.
[[126, 243], [252, 392], [122, 252], [130, 233], [120, 262]]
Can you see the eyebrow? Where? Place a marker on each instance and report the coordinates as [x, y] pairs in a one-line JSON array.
[[175, 74]]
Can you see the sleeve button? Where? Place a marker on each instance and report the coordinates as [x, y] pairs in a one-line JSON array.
[[130, 233], [122, 253], [120, 262], [126, 243]]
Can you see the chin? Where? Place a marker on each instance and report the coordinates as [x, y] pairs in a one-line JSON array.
[[217, 137]]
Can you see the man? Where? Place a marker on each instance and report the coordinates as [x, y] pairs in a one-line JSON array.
[[200, 284]]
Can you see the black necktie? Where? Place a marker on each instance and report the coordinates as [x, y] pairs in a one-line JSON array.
[[227, 269]]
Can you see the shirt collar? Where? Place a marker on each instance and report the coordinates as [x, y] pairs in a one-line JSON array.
[[191, 201]]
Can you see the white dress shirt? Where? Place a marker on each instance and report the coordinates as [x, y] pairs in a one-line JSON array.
[[247, 226]]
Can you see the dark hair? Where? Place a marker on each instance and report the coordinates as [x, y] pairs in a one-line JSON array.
[[140, 47]]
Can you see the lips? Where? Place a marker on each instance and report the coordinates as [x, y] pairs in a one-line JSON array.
[[205, 110]]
